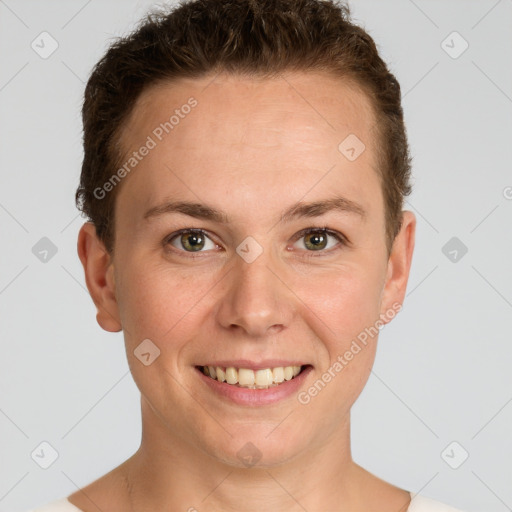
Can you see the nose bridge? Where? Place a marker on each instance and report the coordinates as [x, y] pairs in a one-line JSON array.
[[255, 299]]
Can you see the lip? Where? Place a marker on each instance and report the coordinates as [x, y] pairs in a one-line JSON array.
[[254, 397], [251, 365]]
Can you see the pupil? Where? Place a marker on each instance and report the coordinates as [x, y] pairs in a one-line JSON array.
[[193, 240], [317, 238]]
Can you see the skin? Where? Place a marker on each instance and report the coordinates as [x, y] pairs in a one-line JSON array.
[[251, 147]]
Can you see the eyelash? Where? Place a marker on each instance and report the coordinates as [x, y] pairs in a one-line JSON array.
[[309, 254]]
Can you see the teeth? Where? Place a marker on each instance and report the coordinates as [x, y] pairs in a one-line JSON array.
[[231, 375], [288, 373], [278, 374], [246, 378], [221, 374], [263, 377]]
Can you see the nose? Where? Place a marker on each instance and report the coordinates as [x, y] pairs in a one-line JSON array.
[[255, 299]]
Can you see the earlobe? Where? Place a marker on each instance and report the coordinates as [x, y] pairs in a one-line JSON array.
[[98, 269], [399, 264]]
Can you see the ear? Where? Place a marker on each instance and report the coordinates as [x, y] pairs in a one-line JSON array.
[[399, 265], [99, 277]]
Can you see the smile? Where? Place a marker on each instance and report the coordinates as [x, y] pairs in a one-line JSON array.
[[253, 379]]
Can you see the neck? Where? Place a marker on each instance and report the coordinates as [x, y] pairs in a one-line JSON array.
[[169, 472]]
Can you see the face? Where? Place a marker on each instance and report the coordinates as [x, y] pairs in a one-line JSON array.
[[246, 238]]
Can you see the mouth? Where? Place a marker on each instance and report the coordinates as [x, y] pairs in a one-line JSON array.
[[263, 378]]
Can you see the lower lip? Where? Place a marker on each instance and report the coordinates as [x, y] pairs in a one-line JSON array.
[[247, 396]]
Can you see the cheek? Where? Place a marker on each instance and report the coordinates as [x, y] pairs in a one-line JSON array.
[[347, 301], [158, 302], [348, 304]]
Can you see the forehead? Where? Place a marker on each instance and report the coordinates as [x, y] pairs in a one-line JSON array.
[[307, 103], [283, 131]]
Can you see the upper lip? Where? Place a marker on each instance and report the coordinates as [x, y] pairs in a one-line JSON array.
[[255, 365]]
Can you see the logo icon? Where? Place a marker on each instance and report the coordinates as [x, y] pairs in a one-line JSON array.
[[146, 352], [44, 45], [44, 455], [44, 250], [454, 455], [351, 147], [249, 249], [454, 249], [454, 45], [249, 454]]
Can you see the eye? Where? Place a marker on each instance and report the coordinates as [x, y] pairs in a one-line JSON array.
[[190, 240], [317, 239]]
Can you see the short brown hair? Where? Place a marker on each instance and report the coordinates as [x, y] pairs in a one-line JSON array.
[[254, 37]]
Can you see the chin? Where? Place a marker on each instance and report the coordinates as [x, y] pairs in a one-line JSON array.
[[256, 448]]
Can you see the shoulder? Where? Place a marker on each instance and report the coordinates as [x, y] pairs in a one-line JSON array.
[[423, 504], [60, 505]]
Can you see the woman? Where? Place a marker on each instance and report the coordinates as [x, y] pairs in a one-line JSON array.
[[245, 165]]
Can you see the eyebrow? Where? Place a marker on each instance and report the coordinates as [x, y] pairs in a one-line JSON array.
[[299, 209]]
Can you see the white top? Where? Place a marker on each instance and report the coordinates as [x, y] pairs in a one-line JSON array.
[[62, 505], [418, 504]]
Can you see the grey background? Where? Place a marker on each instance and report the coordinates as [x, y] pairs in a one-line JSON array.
[[442, 368]]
